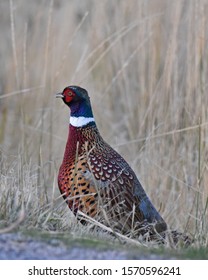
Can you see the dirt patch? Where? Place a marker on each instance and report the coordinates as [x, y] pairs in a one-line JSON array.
[[14, 246]]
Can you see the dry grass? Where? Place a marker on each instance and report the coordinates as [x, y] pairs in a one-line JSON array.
[[144, 65]]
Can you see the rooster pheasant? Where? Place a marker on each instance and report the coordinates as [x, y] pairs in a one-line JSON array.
[[96, 180]]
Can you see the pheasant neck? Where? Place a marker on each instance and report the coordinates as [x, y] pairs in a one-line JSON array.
[[77, 138], [81, 121]]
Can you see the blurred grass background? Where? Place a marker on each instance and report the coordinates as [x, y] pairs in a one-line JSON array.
[[144, 64]]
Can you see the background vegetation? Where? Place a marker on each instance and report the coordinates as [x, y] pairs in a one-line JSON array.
[[144, 64]]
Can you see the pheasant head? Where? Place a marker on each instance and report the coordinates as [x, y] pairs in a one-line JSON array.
[[77, 99]]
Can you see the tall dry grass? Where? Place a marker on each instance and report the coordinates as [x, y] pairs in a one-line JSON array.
[[144, 64]]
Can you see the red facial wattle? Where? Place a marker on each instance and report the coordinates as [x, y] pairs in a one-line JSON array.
[[68, 95]]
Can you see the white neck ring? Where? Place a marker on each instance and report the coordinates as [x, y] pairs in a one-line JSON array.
[[80, 121]]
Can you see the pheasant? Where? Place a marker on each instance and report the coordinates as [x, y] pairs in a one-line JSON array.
[[95, 180]]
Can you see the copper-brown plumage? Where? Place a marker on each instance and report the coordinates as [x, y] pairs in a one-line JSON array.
[[96, 180]]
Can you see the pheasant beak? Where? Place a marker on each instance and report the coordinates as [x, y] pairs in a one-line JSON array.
[[59, 95]]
